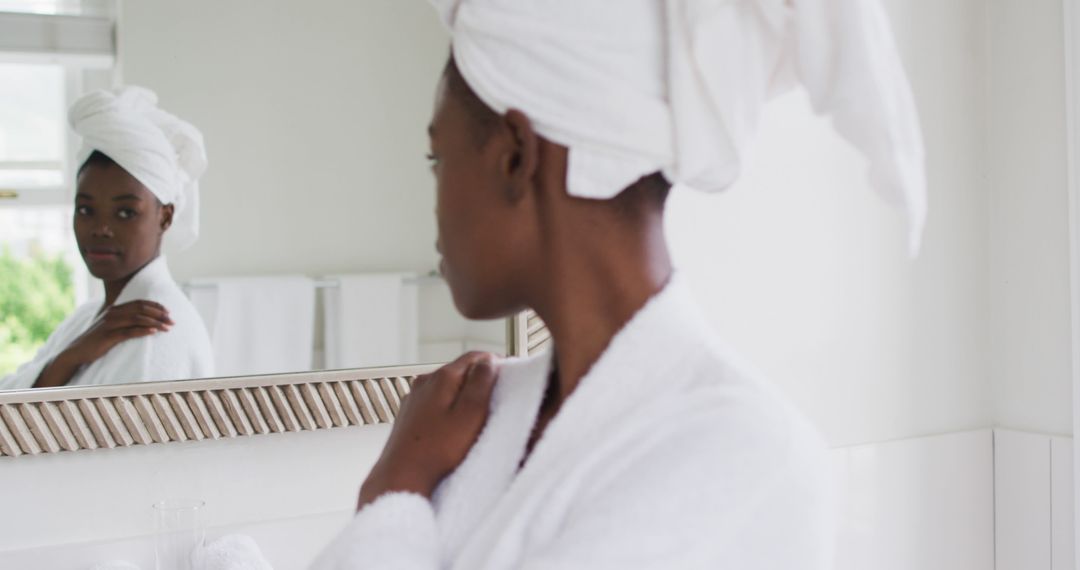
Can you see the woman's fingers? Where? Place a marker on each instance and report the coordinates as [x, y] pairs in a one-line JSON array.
[[478, 384], [154, 310], [127, 320], [128, 333], [468, 380], [447, 381], [145, 308], [138, 313], [149, 322]]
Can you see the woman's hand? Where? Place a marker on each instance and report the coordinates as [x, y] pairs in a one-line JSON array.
[[117, 324], [438, 423]]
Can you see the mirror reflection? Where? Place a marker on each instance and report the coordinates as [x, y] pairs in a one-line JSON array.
[[155, 224]]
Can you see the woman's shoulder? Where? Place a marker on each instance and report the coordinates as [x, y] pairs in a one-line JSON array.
[[164, 290], [723, 402], [188, 340]]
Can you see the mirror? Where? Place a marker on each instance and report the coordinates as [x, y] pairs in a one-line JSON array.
[[316, 247]]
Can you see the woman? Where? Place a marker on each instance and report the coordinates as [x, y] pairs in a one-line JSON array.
[[137, 186], [640, 441]]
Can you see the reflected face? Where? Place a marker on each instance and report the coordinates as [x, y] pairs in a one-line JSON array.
[[475, 219], [118, 222]]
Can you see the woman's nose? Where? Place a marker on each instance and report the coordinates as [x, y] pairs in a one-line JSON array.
[[103, 230]]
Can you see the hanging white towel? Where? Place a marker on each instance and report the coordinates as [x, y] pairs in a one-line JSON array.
[[258, 325], [371, 320]]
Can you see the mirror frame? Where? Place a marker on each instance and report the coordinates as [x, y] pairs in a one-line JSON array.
[[52, 420]]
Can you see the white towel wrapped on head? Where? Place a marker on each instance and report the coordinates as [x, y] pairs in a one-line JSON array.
[[164, 153], [677, 86]]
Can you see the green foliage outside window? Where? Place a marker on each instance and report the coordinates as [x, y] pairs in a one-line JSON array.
[[36, 293]]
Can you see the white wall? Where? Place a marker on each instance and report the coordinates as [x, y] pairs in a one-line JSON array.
[[292, 492], [1029, 353], [805, 271], [315, 118], [924, 503]]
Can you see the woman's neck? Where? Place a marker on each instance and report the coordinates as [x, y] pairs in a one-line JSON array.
[[115, 287], [593, 288]]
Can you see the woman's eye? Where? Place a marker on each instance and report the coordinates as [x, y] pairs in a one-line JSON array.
[[432, 159], [82, 211], [125, 214]]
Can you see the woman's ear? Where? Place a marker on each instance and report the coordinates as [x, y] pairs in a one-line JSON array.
[[167, 216], [522, 156]]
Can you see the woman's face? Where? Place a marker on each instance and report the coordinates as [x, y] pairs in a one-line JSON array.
[[118, 222], [479, 229]]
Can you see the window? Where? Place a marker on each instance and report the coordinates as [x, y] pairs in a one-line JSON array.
[[37, 279], [33, 136], [58, 7], [37, 254], [41, 275]]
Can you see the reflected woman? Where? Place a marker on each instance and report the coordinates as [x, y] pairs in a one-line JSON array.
[[137, 183]]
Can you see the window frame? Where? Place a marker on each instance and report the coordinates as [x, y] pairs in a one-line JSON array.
[[76, 80], [86, 48]]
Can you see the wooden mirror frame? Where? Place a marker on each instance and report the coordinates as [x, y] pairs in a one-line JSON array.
[[51, 420]]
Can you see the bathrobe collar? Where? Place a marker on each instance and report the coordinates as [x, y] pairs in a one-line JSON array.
[[649, 356], [641, 360], [150, 277]]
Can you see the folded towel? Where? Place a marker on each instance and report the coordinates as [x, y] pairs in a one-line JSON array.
[[258, 325], [230, 552], [371, 320]]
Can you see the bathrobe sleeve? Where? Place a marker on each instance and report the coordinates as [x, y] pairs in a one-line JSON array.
[[68, 330], [161, 356], [397, 530]]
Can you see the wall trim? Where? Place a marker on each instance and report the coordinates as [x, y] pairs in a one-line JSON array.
[[1072, 104]]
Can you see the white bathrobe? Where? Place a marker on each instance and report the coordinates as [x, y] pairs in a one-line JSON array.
[[669, 454], [181, 353]]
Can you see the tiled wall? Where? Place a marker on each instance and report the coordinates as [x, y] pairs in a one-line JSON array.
[[979, 500], [1033, 501], [917, 504]]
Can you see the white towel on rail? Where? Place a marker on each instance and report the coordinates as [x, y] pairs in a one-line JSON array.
[[371, 320], [258, 325]]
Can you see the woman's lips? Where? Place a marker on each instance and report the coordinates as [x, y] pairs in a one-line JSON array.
[[101, 254]]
